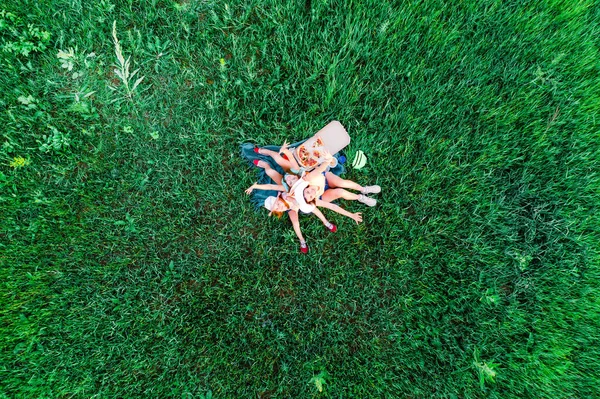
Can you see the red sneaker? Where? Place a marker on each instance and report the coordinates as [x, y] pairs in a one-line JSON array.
[[333, 228], [256, 150], [255, 162], [304, 248]]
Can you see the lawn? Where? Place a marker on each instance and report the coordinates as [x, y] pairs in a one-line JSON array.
[[132, 264]]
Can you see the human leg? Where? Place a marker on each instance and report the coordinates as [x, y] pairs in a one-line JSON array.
[[284, 163], [335, 193], [336, 181], [272, 173], [330, 226], [296, 224]]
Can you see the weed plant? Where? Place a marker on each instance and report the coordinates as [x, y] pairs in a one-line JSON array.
[[133, 265]]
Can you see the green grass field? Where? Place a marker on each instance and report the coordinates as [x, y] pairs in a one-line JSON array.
[[133, 264]]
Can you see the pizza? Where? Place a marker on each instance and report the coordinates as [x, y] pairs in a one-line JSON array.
[[303, 154], [309, 157]]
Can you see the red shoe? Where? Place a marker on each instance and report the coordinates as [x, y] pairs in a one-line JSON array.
[[333, 228], [255, 162], [304, 248], [256, 150]]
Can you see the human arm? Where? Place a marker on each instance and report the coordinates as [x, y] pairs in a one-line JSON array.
[[290, 156], [275, 187], [357, 217]]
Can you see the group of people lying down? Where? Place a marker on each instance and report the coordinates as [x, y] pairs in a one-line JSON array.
[[306, 192]]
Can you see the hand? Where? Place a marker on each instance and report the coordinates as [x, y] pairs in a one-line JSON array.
[[357, 217], [284, 146], [249, 189], [327, 157]]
